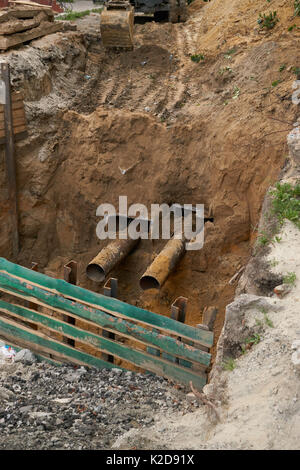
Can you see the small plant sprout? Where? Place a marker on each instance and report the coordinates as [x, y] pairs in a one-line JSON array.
[[263, 238], [229, 364], [268, 321], [273, 263], [297, 8], [197, 58], [268, 21], [236, 93], [259, 322], [225, 69], [255, 339], [229, 53], [275, 83], [290, 278]]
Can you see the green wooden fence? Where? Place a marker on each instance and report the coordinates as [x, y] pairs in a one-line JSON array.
[[148, 331]]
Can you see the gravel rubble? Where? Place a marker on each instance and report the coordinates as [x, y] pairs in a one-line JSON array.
[[43, 406]]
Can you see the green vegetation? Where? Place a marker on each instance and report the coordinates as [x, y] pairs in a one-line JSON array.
[[296, 70], [236, 93], [286, 202], [229, 53], [282, 67], [276, 83], [290, 28], [197, 57], [74, 15], [225, 69], [268, 21], [297, 8], [255, 339], [290, 278], [263, 238], [229, 364]]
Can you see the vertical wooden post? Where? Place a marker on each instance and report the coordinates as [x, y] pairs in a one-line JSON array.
[[10, 158]]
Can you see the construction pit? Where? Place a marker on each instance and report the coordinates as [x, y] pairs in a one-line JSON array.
[[157, 126]]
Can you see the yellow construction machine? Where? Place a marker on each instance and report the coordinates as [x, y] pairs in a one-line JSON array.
[[117, 18]]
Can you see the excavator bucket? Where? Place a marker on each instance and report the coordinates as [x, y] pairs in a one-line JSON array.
[[117, 20]]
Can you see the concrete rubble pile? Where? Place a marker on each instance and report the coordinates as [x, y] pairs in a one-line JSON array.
[[23, 22]]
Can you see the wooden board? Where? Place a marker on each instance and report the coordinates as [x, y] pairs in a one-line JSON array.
[[25, 11], [139, 358], [43, 29], [16, 25], [30, 4], [15, 287], [19, 117], [92, 301]]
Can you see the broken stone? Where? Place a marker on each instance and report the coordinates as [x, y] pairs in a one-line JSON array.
[[190, 396], [296, 359], [282, 290], [25, 356], [296, 344], [293, 140]]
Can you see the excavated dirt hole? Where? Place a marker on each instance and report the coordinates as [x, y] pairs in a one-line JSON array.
[[151, 125]]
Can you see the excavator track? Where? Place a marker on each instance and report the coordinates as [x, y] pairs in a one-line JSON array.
[[117, 22], [178, 12]]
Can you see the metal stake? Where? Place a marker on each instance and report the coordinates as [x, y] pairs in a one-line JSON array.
[[110, 289], [70, 275]]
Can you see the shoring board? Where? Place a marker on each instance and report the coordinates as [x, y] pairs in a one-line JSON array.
[[139, 358], [45, 28], [47, 299], [17, 137], [106, 304], [14, 330]]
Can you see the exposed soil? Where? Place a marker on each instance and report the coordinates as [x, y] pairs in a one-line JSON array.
[[212, 132]]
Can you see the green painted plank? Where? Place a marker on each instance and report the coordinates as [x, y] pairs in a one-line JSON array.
[[17, 331], [171, 345], [138, 358], [109, 303], [154, 351]]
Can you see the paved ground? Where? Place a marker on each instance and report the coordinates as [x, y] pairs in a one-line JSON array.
[[81, 5]]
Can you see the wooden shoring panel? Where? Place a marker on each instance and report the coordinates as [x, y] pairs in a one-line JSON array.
[[136, 357], [113, 307], [92, 316]]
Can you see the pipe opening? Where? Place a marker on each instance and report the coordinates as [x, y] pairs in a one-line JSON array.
[[95, 272], [149, 282]]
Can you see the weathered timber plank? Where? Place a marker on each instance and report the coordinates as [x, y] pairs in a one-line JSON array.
[[17, 130], [30, 4], [108, 304], [49, 345], [16, 106], [17, 113], [16, 25], [17, 122], [29, 12], [24, 290], [17, 137], [136, 357], [43, 29]]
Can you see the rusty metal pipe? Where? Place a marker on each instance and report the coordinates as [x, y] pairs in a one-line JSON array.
[[163, 265], [108, 258]]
